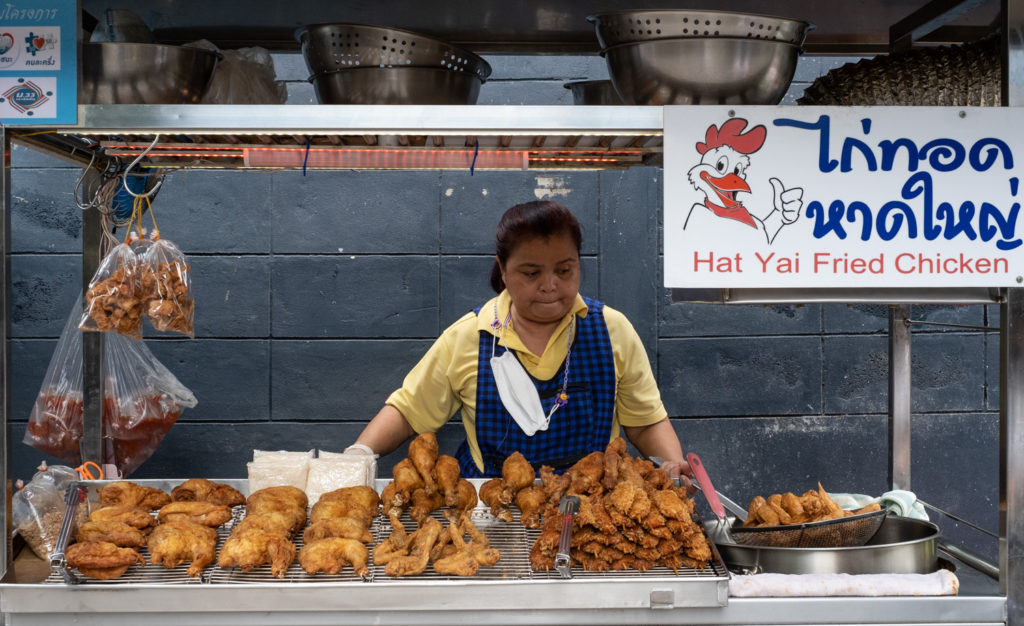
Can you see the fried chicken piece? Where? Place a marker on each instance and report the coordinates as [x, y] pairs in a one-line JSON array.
[[423, 503], [176, 541], [271, 522], [592, 511], [407, 479], [117, 533], [101, 559], [586, 475], [791, 504], [420, 543], [542, 554], [463, 561], [555, 485], [344, 527], [254, 548], [613, 455], [490, 495], [284, 500], [275, 498], [203, 490], [131, 515], [397, 543], [328, 509], [205, 513], [447, 474], [388, 499], [752, 511], [466, 497], [124, 493], [516, 474], [423, 454], [530, 501], [630, 500], [331, 554], [362, 496], [671, 505]]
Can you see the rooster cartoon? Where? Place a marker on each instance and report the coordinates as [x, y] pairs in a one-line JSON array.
[[722, 174]]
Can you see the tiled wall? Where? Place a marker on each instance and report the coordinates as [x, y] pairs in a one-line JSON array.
[[316, 293]]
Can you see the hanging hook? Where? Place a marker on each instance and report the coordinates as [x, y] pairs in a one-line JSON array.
[[78, 187], [124, 174]]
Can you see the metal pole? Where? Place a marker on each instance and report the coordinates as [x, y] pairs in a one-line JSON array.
[[5, 356], [91, 445], [1011, 454], [899, 396]]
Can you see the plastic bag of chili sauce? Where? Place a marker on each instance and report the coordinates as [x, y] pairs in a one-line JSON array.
[[142, 399], [113, 302], [167, 288]]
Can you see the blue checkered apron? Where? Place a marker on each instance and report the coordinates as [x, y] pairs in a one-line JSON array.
[[576, 429]]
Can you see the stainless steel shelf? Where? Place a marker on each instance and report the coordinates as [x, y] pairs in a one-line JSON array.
[[363, 136]]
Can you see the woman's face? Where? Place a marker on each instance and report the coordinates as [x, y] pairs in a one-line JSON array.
[[543, 277]]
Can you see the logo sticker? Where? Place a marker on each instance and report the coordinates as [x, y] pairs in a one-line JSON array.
[[26, 96]]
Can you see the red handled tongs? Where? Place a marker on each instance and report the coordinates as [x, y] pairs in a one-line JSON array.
[[568, 507]]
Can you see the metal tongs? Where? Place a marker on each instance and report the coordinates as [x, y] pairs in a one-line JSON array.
[[568, 507], [75, 496]]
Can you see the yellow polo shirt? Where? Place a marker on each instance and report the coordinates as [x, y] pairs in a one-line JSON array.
[[444, 380]]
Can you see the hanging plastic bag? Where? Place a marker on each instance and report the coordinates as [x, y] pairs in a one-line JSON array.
[[167, 288], [142, 399], [243, 76], [37, 510], [112, 301]]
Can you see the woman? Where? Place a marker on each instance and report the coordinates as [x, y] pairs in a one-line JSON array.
[[588, 373]]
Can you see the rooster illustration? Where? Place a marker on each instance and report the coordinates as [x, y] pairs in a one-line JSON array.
[[722, 174]]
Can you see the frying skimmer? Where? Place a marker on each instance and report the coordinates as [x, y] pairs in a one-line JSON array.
[[842, 532]]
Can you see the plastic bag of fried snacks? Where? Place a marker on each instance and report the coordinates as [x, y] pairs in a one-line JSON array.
[[112, 301], [335, 471], [278, 468], [166, 288]]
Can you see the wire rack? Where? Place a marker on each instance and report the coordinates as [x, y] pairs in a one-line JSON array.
[[512, 540]]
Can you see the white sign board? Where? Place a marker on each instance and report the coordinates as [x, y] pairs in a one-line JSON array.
[[760, 197]]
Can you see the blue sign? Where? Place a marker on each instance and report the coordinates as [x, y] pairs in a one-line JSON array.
[[39, 62]]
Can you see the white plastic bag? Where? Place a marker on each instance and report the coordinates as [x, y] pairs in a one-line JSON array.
[[243, 76]]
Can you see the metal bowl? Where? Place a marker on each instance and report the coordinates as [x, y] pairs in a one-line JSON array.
[[600, 92], [144, 73], [396, 85], [699, 57], [702, 71]]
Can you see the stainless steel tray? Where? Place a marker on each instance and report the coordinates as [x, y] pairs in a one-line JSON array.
[[688, 587]]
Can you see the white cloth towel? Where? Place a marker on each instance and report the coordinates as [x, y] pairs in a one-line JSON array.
[[898, 502], [940, 583]]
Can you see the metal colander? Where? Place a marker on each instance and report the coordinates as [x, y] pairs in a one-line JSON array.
[[332, 47], [619, 27], [842, 532]]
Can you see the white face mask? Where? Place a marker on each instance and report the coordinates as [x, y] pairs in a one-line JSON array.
[[519, 394], [516, 388]]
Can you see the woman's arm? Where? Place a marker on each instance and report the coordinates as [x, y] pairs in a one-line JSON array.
[[660, 439], [386, 431]]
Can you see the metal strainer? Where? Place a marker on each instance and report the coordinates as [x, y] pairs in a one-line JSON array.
[[619, 27], [842, 532], [332, 47]]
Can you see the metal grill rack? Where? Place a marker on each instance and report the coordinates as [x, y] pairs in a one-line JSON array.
[[511, 539]]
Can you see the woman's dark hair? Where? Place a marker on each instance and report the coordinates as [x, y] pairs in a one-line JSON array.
[[540, 218]]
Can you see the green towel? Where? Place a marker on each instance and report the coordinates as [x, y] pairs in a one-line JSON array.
[[898, 502]]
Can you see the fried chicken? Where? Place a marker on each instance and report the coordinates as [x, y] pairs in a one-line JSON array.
[[361, 496], [407, 479], [203, 490], [271, 522], [176, 541], [530, 502], [253, 548], [131, 515], [516, 474], [420, 543], [331, 554], [101, 559], [124, 493], [586, 475], [284, 501], [397, 543], [423, 454], [490, 495], [613, 456], [344, 527], [324, 510], [117, 533], [465, 499], [447, 474], [205, 513], [423, 503]]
